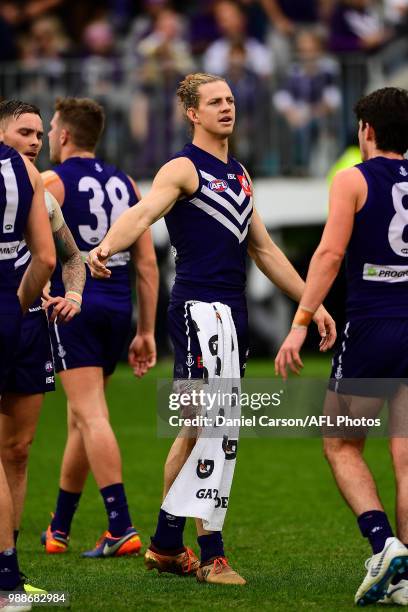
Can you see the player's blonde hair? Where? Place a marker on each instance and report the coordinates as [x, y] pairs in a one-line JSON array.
[[188, 89]]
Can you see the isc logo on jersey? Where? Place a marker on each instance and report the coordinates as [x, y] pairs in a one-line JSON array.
[[218, 185]]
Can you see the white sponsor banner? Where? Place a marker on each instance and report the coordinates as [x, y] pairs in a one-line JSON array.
[[385, 274], [8, 250]]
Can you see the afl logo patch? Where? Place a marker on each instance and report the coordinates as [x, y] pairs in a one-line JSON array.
[[218, 185], [48, 366]]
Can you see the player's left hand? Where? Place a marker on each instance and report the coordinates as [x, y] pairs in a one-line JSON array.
[[142, 354], [289, 353], [327, 328], [63, 310]]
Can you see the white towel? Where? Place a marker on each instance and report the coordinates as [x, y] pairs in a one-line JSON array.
[[202, 487]]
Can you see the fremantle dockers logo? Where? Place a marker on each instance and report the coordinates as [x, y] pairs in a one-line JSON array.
[[246, 187], [229, 447], [190, 360], [205, 468]]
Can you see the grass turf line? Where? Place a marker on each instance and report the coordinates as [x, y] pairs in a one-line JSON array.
[[287, 530]]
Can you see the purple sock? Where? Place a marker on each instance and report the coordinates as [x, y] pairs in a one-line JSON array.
[[67, 503], [169, 532], [9, 570], [211, 545], [114, 498], [375, 526]]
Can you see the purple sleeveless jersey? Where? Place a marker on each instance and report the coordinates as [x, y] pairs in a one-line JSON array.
[[377, 255], [209, 232], [16, 194], [96, 194]]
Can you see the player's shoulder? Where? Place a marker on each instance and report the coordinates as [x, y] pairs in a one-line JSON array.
[[177, 168], [348, 179], [53, 183], [48, 177]]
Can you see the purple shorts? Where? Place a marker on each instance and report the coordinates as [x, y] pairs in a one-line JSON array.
[[10, 326], [95, 337], [33, 366], [188, 362]]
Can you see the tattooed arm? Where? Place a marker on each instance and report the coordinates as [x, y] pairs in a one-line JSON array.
[[73, 268]]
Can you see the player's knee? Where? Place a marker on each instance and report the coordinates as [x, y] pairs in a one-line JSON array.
[[331, 447], [183, 452], [335, 449], [90, 422], [399, 454], [82, 417], [16, 452]]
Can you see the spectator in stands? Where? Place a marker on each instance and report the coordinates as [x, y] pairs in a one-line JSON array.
[[49, 39], [101, 68], [164, 57], [43, 65], [202, 26], [8, 22], [356, 26], [231, 21], [396, 15], [308, 98], [143, 25], [287, 15], [252, 101], [164, 51]]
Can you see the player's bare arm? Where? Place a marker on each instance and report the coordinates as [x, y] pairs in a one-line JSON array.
[[269, 258], [73, 268], [174, 179], [347, 195], [142, 349], [39, 240], [73, 277]]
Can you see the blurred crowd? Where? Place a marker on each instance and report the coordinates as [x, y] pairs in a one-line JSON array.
[[295, 68]]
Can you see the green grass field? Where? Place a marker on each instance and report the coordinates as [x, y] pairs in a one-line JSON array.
[[287, 530]]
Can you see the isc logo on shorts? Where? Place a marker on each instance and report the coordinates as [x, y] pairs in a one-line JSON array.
[[218, 185], [49, 380]]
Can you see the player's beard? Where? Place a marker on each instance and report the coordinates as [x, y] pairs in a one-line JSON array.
[[55, 156]]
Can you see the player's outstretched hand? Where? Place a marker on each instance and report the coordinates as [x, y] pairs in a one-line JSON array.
[[62, 309], [327, 328], [289, 353], [97, 260], [142, 354]]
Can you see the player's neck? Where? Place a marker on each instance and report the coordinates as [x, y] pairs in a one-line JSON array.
[[387, 154], [75, 152], [215, 146]]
